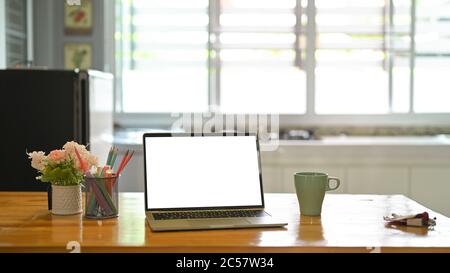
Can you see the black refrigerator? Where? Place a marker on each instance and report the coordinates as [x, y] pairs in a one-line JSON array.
[[43, 109]]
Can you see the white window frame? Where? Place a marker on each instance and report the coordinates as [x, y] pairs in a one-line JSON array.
[[310, 118], [2, 34], [30, 34]]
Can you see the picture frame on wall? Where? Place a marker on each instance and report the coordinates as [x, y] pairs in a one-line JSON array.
[[77, 55], [78, 18]]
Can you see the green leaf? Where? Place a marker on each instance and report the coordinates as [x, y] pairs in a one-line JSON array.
[[62, 174]]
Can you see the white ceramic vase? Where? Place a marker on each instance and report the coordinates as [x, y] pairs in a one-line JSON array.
[[66, 200]]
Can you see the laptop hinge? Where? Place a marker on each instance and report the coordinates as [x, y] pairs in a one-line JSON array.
[[228, 209]]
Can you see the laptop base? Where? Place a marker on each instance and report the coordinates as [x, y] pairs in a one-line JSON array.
[[216, 223]]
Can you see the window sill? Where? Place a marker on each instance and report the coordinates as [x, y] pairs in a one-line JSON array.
[[372, 141], [134, 137]]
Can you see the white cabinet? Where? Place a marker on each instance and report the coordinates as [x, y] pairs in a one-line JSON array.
[[271, 177], [420, 172], [380, 180], [288, 175], [431, 187], [132, 177]]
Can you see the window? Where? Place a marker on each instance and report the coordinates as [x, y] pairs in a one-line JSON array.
[[432, 57], [351, 76], [162, 51], [256, 61], [14, 40], [305, 60]]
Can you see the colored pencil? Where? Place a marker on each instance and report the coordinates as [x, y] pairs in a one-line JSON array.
[[102, 185], [123, 160], [114, 156], [100, 196], [109, 155], [127, 159]]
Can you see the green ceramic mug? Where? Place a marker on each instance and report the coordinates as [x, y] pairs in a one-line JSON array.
[[311, 188]]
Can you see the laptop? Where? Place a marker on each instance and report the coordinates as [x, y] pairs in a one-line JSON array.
[[209, 181]]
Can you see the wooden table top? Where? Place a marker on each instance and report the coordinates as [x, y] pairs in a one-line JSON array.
[[349, 223]]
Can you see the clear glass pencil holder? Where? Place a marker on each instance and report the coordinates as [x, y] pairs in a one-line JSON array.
[[101, 197]]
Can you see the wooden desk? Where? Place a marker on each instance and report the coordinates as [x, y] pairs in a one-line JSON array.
[[349, 223]]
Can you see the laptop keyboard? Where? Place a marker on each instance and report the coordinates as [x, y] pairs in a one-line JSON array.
[[207, 214]]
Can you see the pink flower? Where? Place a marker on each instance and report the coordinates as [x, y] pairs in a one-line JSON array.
[[38, 160], [83, 165], [56, 155], [88, 160]]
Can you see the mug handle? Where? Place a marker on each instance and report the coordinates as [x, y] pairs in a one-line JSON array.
[[338, 183]]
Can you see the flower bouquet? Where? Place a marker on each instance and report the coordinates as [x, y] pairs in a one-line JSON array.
[[65, 170]]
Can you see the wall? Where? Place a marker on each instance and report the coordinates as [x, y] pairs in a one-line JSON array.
[[49, 36]]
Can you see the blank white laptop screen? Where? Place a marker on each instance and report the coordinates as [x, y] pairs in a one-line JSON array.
[[203, 171]]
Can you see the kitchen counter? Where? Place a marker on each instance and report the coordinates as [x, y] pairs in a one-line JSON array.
[[134, 138], [416, 166]]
